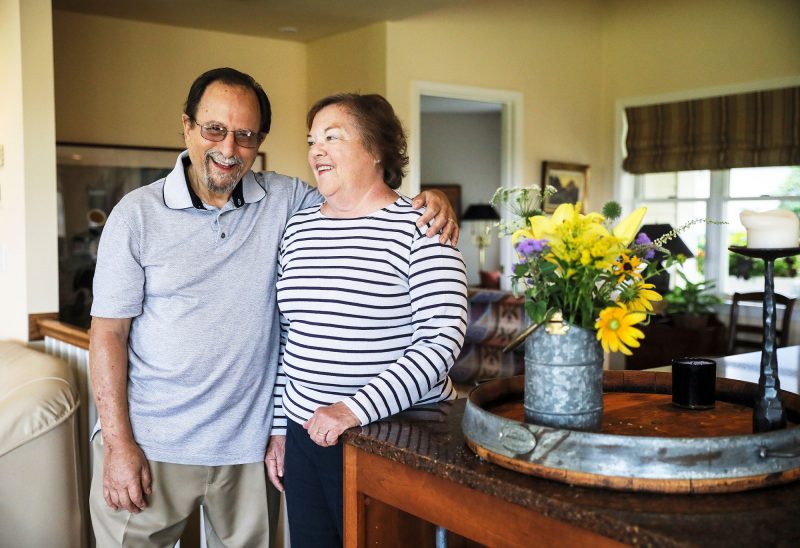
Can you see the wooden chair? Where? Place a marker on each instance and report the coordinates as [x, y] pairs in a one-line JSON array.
[[735, 329]]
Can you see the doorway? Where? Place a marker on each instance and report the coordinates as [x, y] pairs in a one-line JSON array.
[[469, 137]]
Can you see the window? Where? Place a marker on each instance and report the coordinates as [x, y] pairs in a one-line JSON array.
[[678, 197]]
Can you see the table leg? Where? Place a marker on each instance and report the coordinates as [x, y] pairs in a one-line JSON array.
[[354, 528]]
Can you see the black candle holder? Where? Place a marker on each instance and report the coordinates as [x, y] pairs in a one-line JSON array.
[[693, 382], [768, 413]]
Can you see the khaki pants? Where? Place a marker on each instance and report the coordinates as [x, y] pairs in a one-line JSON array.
[[234, 500]]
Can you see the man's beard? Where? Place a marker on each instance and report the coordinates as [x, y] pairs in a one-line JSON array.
[[229, 181]]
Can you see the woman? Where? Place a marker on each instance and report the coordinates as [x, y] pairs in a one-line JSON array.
[[375, 312]]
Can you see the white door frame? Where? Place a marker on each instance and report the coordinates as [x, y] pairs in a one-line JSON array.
[[510, 139]]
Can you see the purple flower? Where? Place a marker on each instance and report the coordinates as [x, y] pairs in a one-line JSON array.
[[644, 240], [529, 246]]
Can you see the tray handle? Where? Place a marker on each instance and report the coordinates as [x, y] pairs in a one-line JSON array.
[[766, 453]]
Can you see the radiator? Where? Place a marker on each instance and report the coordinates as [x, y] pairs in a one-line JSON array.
[[78, 360]]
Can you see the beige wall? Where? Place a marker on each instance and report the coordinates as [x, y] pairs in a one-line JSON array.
[[547, 50], [28, 254], [13, 285], [125, 82], [352, 61], [676, 45]]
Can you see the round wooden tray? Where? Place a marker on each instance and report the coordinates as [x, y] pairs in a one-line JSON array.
[[646, 443]]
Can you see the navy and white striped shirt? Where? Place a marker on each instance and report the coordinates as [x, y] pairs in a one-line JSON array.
[[373, 312]]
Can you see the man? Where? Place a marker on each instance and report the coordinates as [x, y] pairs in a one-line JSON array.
[[184, 338]]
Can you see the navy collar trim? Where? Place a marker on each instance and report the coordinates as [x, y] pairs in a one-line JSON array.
[[179, 194]]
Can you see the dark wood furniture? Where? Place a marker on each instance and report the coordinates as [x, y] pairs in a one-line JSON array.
[[754, 332], [663, 341], [417, 463]]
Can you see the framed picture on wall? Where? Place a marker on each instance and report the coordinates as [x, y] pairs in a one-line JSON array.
[[452, 191], [571, 182]]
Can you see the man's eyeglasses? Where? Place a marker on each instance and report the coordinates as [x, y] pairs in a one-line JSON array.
[[215, 132]]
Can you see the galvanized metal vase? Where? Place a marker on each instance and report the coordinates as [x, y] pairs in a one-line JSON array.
[[564, 378]]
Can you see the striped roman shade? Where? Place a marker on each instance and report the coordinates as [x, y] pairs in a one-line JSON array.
[[744, 130]]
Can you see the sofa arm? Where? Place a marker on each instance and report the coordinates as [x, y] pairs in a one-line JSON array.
[[39, 460]]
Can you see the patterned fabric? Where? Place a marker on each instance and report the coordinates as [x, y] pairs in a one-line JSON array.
[[744, 130], [495, 319]]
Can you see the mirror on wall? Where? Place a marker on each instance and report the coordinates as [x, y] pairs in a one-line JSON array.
[[91, 179]]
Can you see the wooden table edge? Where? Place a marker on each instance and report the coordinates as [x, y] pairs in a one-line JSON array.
[[472, 514]]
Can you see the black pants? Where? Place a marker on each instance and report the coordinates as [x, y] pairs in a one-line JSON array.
[[313, 482]]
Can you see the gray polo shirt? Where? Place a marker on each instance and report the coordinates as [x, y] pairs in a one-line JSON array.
[[199, 284]]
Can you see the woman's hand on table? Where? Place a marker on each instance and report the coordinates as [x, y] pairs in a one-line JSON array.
[[327, 424]]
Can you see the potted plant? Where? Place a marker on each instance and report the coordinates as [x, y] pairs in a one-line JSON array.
[[585, 283], [691, 305]]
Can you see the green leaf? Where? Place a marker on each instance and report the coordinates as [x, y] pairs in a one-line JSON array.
[[535, 312], [547, 267]]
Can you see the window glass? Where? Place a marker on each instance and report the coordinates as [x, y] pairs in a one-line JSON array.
[[677, 198], [764, 181], [659, 185], [694, 184], [684, 184]]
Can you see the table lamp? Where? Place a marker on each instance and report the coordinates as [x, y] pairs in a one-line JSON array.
[[675, 246], [480, 217]]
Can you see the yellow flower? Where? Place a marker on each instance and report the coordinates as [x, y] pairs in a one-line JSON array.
[[628, 227], [615, 329], [627, 267], [563, 213], [639, 297]]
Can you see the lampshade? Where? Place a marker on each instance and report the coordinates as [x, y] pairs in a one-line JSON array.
[[674, 246], [480, 212]]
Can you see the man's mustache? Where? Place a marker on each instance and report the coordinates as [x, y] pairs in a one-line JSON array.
[[220, 158]]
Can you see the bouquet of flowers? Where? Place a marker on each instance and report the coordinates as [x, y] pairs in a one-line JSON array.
[[580, 266]]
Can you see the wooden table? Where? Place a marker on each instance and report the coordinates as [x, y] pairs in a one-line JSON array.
[[417, 463]]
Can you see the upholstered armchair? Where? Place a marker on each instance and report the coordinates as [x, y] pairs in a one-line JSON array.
[[39, 462]]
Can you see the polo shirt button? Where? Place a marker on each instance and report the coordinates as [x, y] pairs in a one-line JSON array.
[[222, 235]]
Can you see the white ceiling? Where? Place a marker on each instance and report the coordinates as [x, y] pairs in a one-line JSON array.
[[312, 19]]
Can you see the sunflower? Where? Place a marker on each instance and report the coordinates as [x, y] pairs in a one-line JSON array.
[[639, 296], [615, 329], [627, 267]]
